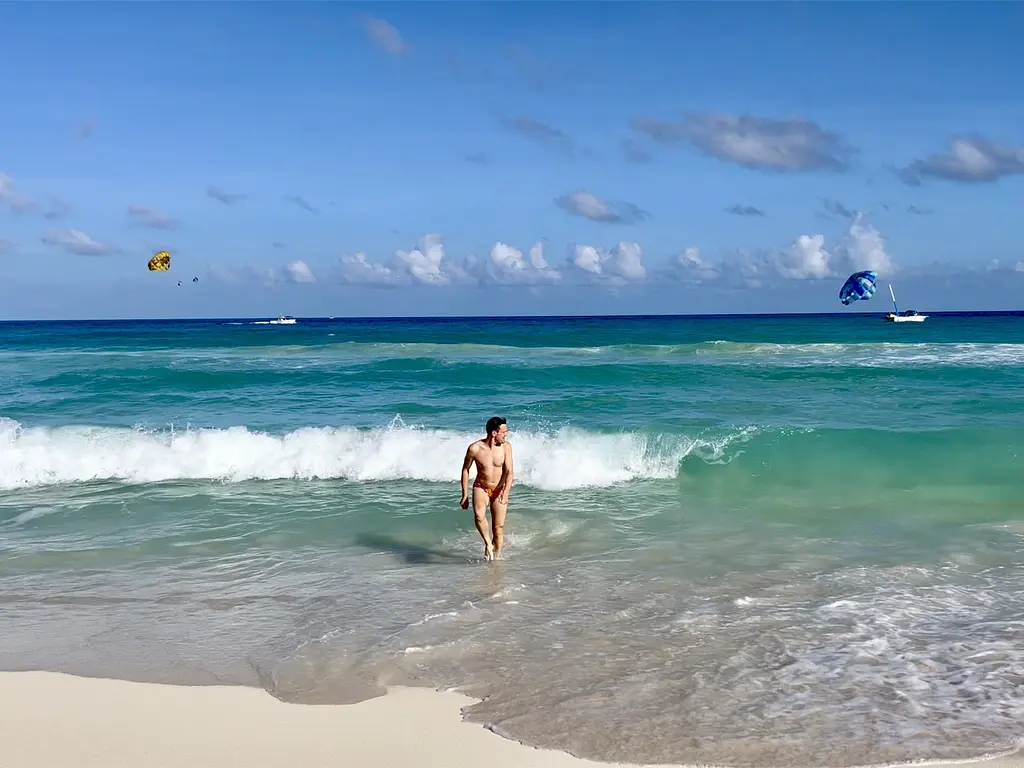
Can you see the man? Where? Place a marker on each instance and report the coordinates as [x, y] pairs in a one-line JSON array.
[[494, 473]]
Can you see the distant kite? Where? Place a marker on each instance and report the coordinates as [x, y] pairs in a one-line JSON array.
[[161, 262]]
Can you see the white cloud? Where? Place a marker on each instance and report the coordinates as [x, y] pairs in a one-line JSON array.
[[540, 133], [423, 266], [788, 145], [299, 272], [356, 268], [228, 198], [864, 249], [247, 273], [974, 160], [805, 258], [627, 260], [622, 263], [690, 266], [296, 271], [808, 259], [302, 203], [993, 265], [634, 153], [509, 265], [9, 195], [265, 275], [150, 217], [57, 209], [503, 265], [74, 241], [18, 203], [385, 36], [753, 273], [590, 206], [587, 258]]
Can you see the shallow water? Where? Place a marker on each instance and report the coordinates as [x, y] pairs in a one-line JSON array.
[[731, 540]]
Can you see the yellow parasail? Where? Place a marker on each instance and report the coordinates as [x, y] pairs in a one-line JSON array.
[[161, 262]]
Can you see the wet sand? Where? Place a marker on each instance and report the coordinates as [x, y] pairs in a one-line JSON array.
[[57, 720]]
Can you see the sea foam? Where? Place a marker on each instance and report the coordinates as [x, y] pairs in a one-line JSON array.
[[559, 460]]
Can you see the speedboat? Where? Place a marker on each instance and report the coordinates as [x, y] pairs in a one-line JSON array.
[[283, 320], [906, 316]]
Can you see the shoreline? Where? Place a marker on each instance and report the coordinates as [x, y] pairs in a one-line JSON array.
[[103, 722]]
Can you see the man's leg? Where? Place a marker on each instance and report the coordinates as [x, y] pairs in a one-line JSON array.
[[498, 510], [480, 518]]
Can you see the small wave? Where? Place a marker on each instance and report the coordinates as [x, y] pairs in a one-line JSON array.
[[560, 460], [862, 354], [715, 352], [722, 353]]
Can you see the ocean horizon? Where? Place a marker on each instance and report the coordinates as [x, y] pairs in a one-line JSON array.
[[791, 539], [623, 316]]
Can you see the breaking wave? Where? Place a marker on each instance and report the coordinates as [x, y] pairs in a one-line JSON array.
[[558, 460]]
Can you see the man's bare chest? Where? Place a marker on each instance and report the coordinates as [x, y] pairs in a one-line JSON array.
[[493, 457]]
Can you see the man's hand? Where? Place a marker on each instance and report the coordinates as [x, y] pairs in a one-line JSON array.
[[467, 462]]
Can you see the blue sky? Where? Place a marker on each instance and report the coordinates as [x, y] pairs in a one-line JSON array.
[[397, 159]]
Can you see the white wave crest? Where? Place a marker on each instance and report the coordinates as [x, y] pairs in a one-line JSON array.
[[864, 354], [560, 460]]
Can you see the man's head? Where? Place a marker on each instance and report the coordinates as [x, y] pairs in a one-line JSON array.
[[497, 429]]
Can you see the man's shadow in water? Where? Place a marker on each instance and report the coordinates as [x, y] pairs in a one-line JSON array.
[[413, 554]]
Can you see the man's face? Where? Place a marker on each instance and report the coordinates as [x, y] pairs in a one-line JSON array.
[[500, 434]]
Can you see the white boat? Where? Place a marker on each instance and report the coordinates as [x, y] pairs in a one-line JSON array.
[[906, 316], [283, 320]]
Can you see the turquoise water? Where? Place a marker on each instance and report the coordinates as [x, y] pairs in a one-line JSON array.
[[743, 540]]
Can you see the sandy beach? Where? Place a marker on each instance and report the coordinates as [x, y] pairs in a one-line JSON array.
[[52, 719]]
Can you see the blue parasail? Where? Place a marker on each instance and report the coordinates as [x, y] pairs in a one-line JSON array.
[[859, 285]]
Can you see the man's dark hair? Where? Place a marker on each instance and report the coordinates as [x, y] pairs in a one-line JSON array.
[[494, 423]]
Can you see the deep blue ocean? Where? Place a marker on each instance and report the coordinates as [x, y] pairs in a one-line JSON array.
[[743, 540]]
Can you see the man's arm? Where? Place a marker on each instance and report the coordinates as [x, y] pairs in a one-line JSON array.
[[466, 464], [510, 472]]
